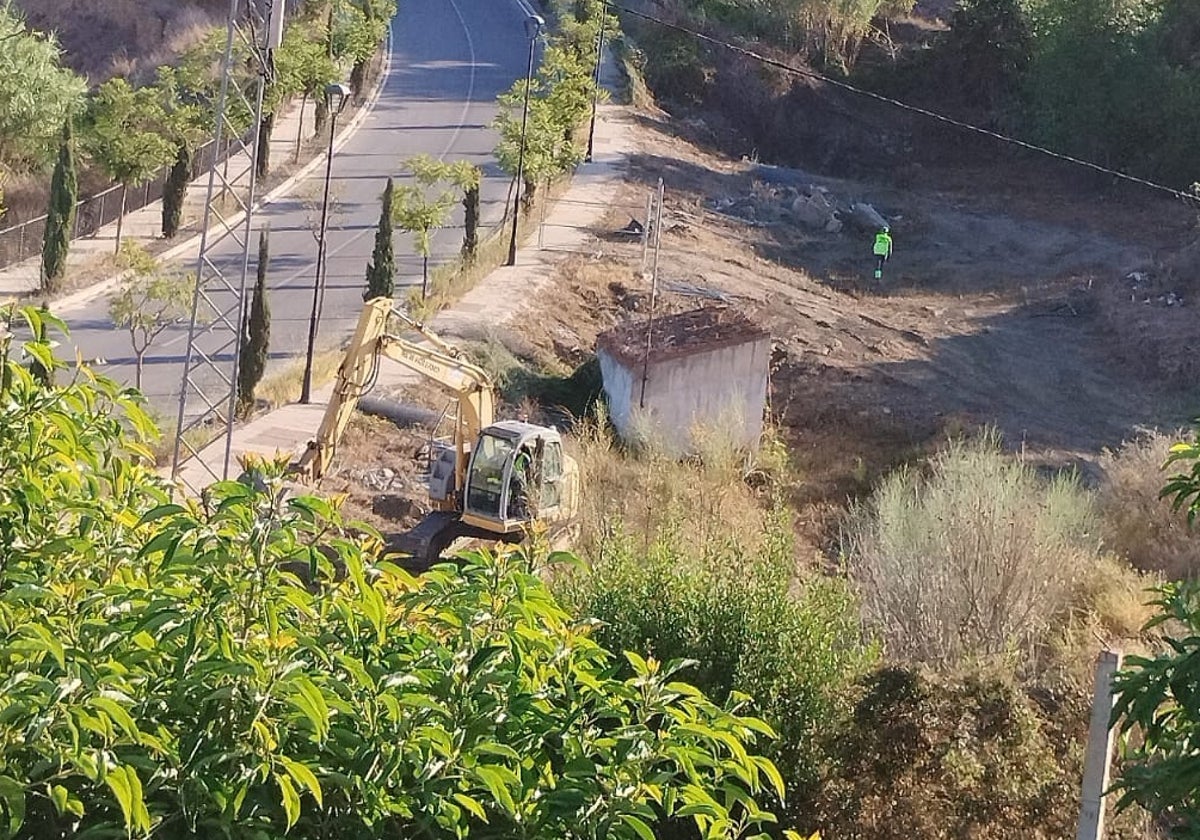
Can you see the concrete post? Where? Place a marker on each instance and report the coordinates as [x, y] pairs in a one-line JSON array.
[[1098, 758]]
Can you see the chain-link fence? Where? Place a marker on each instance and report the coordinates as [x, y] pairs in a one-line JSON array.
[[23, 241]]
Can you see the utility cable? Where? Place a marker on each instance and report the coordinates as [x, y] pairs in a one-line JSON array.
[[812, 74]]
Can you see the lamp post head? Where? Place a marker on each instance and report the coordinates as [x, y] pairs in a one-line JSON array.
[[338, 95], [534, 24]]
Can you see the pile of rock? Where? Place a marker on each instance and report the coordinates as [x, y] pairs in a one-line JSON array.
[[811, 206], [1144, 289]]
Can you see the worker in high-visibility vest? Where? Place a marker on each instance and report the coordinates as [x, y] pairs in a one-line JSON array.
[[883, 249]]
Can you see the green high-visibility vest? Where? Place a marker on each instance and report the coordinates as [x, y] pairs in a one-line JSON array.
[[883, 245]]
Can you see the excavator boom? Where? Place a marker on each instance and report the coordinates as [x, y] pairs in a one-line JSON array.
[[468, 383]]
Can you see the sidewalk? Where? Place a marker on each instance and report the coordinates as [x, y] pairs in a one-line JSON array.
[[495, 300], [144, 226]]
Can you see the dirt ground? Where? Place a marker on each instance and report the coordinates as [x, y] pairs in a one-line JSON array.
[[990, 312]]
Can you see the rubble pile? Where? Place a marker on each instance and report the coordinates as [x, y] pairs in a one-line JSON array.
[[1145, 289], [812, 207]]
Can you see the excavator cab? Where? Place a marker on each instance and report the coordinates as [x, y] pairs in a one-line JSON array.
[[517, 473]]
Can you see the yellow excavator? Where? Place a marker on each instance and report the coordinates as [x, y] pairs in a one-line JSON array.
[[490, 481]]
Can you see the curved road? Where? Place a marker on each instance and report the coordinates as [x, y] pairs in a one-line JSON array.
[[450, 60]]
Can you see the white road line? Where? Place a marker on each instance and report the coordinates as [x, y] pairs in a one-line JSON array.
[[527, 9], [462, 117]]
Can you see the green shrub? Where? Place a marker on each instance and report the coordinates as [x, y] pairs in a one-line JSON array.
[[247, 666], [752, 625], [976, 558]]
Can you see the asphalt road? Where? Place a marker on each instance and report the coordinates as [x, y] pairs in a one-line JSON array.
[[450, 60]]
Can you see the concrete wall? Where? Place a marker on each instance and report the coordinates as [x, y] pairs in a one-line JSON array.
[[619, 391], [722, 390]]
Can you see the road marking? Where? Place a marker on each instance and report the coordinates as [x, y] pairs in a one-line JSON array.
[[462, 117], [527, 8]]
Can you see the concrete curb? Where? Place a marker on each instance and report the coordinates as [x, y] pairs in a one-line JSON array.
[[86, 296]]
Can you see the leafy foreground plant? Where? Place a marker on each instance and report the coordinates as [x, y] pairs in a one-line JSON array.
[[750, 621], [247, 666]]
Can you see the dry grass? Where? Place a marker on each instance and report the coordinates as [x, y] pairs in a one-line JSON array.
[[283, 386], [130, 37], [1138, 525], [644, 492]]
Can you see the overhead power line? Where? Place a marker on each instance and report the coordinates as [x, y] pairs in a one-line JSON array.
[[942, 118]]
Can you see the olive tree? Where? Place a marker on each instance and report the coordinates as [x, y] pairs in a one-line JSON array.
[[187, 122], [37, 94]]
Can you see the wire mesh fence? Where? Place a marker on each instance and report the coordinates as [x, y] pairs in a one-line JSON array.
[[20, 242]]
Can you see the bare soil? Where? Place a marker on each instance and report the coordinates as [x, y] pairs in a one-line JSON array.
[[990, 313]]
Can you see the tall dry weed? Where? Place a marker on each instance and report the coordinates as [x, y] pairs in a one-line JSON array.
[[978, 557], [1137, 524], [646, 488]]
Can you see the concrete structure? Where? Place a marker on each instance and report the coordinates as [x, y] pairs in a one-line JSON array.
[[698, 372]]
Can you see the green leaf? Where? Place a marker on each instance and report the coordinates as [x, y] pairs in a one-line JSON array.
[[471, 804], [12, 798], [60, 797], [494, 782], [289, 798], [121, 781], [637, 825], [304, 777], [117, 714]]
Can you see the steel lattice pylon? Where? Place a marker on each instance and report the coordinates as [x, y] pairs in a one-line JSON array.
[[209, 388]]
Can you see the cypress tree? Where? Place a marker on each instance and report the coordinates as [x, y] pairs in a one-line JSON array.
[[175, 190], [64, 189], [256, 336], [471, 221], [381, 271], [263, 158]]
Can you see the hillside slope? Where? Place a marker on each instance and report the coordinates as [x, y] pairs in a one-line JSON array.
[[102, 38]]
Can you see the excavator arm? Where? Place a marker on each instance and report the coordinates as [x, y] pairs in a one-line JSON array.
[[441, 362]]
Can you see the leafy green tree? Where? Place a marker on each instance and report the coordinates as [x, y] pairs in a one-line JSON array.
[[381, 271], [149, 303], [60, 217], [360, 27], [124, 135], [255, 668], [990, 43], [37, 92], [304, 67], [187, 122], [423, 207], [559, 99], [256, 334]]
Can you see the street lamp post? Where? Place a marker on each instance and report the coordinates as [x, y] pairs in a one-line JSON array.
[[533, 28], [337, 95], [596, 81]]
